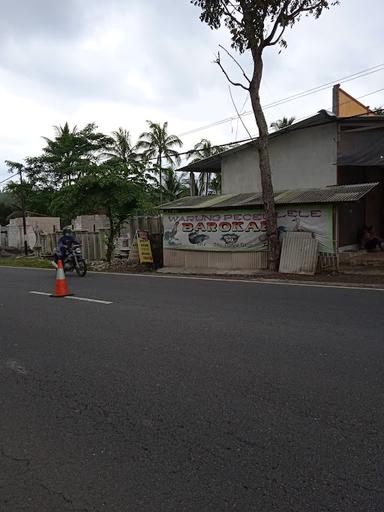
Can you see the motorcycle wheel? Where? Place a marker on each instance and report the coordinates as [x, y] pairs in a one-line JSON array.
[[81, 268]]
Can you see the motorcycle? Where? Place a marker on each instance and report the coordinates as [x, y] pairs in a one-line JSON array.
[[74, 260]]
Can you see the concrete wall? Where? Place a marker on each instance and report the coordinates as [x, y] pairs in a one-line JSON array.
[[299, 159], [90, 223], [45, 224], [15, 238]]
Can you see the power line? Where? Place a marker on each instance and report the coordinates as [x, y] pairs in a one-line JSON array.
[[348, 101], [313, 90], [9, 178], [296, 121]]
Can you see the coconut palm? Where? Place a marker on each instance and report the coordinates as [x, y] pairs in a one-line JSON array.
[[157, 144], [122, 156], [122, 148], [174, 186], [283, 123], [205, 149]]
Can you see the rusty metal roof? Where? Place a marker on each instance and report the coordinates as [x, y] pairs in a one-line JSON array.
[[333, 194]]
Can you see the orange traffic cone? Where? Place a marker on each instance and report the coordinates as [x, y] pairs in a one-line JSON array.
[[61, 287]]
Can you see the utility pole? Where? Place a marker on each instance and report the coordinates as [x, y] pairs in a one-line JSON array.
[[23, 212]]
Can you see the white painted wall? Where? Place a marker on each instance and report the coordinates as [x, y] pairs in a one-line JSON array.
[[35, 225], [45, 224], [300, 159], [90, 222], [15, 237]]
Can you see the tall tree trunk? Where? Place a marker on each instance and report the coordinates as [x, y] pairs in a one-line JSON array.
[[264, 163], [161, 176]]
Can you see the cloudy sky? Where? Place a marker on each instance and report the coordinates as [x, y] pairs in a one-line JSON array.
[[121, 62]]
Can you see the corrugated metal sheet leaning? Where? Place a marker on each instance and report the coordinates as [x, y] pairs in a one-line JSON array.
[[299, 254]]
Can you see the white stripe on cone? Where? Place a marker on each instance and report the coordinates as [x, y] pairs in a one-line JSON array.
[[60, 274]]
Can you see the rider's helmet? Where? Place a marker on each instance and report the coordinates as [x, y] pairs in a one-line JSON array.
[[67, 231]]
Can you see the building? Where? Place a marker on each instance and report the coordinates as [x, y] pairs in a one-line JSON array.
[[327, 159], [90, 222], [14, 232]]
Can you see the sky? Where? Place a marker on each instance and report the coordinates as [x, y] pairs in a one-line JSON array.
[[123, 62]]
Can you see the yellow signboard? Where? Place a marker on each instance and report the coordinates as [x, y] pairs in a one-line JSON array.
[[144, 247]]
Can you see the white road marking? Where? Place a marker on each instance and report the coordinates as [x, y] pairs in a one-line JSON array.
[[84, 299], [89, 300]]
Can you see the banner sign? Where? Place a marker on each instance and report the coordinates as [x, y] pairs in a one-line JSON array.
[[244, 230], [133, 257], [141, 251], [144, 247]]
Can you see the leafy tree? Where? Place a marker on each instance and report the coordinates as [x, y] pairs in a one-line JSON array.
[[379, 111], [255, 25], [37, 199], [28, 195], [6, 207], [157, 144], [68, 156], [101, 191], [282, 123]]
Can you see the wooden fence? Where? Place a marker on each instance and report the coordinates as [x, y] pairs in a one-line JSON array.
[[94, 243]]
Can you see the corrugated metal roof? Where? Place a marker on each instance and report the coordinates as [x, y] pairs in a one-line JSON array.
[[334, 194]]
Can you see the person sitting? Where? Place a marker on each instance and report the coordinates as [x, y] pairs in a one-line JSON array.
[[65, 243], [370, 241]]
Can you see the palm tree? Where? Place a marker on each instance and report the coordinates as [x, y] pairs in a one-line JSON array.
[[122, 156], [174, 186], [205, 149], [158, 145], [283, 123], [216, 184], [122, 148]]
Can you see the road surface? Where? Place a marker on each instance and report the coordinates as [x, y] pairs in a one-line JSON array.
[[189, 395]]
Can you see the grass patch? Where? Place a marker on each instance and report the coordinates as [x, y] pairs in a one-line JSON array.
[[25, 262]]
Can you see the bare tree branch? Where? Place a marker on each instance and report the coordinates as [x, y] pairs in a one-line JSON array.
[[237, 63], [238, 113], [237, 84]]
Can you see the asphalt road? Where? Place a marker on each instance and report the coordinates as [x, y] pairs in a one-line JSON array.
[[189, 395]]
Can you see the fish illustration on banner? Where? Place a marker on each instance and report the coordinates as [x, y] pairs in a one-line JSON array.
[[244, 230]]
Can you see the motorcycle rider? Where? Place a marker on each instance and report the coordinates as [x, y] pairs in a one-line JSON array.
[[65, 243]]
